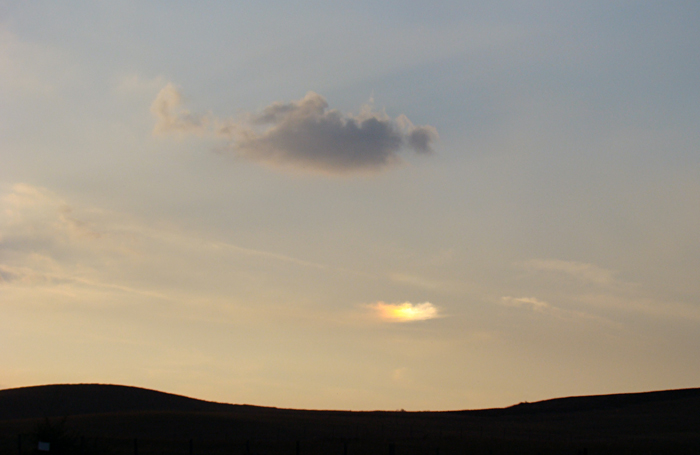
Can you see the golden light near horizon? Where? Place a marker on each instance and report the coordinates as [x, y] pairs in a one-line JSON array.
[[405, 312]]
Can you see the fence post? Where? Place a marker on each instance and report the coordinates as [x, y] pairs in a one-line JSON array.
[[392, 449], [298, 447], [19, 444], [136, 446], [345, 447], [191, 446]]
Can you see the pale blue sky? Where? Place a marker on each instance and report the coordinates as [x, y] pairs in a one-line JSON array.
[[554, 229]]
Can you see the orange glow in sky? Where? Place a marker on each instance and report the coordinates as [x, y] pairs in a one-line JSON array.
[[406, 312]]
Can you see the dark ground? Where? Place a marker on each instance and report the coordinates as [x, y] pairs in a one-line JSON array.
[[91, 419]]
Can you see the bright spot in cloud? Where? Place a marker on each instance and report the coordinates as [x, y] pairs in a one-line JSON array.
[[405, 312]]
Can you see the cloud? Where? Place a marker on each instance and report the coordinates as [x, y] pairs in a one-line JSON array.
[[51, 245], [172, 117], [12, 274], [578, 270], [405, 312], [526, 302], [303, 134], [540, 306], [609, 293], [36, 216]]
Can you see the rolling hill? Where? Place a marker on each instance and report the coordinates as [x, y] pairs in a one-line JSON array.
[[124, 419]]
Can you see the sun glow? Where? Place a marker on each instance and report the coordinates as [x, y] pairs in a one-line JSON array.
[[405, 312]]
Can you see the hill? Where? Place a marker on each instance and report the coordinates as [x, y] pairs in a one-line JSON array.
[[78, 399], [122, 418]]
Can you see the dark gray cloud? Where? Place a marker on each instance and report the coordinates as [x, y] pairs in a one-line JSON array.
[[305, 134]]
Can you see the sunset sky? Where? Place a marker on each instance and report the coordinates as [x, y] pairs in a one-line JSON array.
[[351, 205]]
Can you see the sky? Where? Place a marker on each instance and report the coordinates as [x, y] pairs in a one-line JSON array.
[[351, 205]]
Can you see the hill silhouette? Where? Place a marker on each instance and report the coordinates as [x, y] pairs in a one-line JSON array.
[[161, 423], [61, 400], [679, 398], [78, 399]]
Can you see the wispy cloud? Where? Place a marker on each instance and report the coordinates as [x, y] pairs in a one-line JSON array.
[[172, 117], [579, 270], [48, 242], [405, 312], [540, 306], [609, 293], [527, 302], [303, 134]]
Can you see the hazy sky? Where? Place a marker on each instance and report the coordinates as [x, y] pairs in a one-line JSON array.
[[351, 205]]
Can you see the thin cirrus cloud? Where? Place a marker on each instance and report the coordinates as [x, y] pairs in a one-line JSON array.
[[303, 134], [540, 306], [405, 312], [526, 302], [581, 271]]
